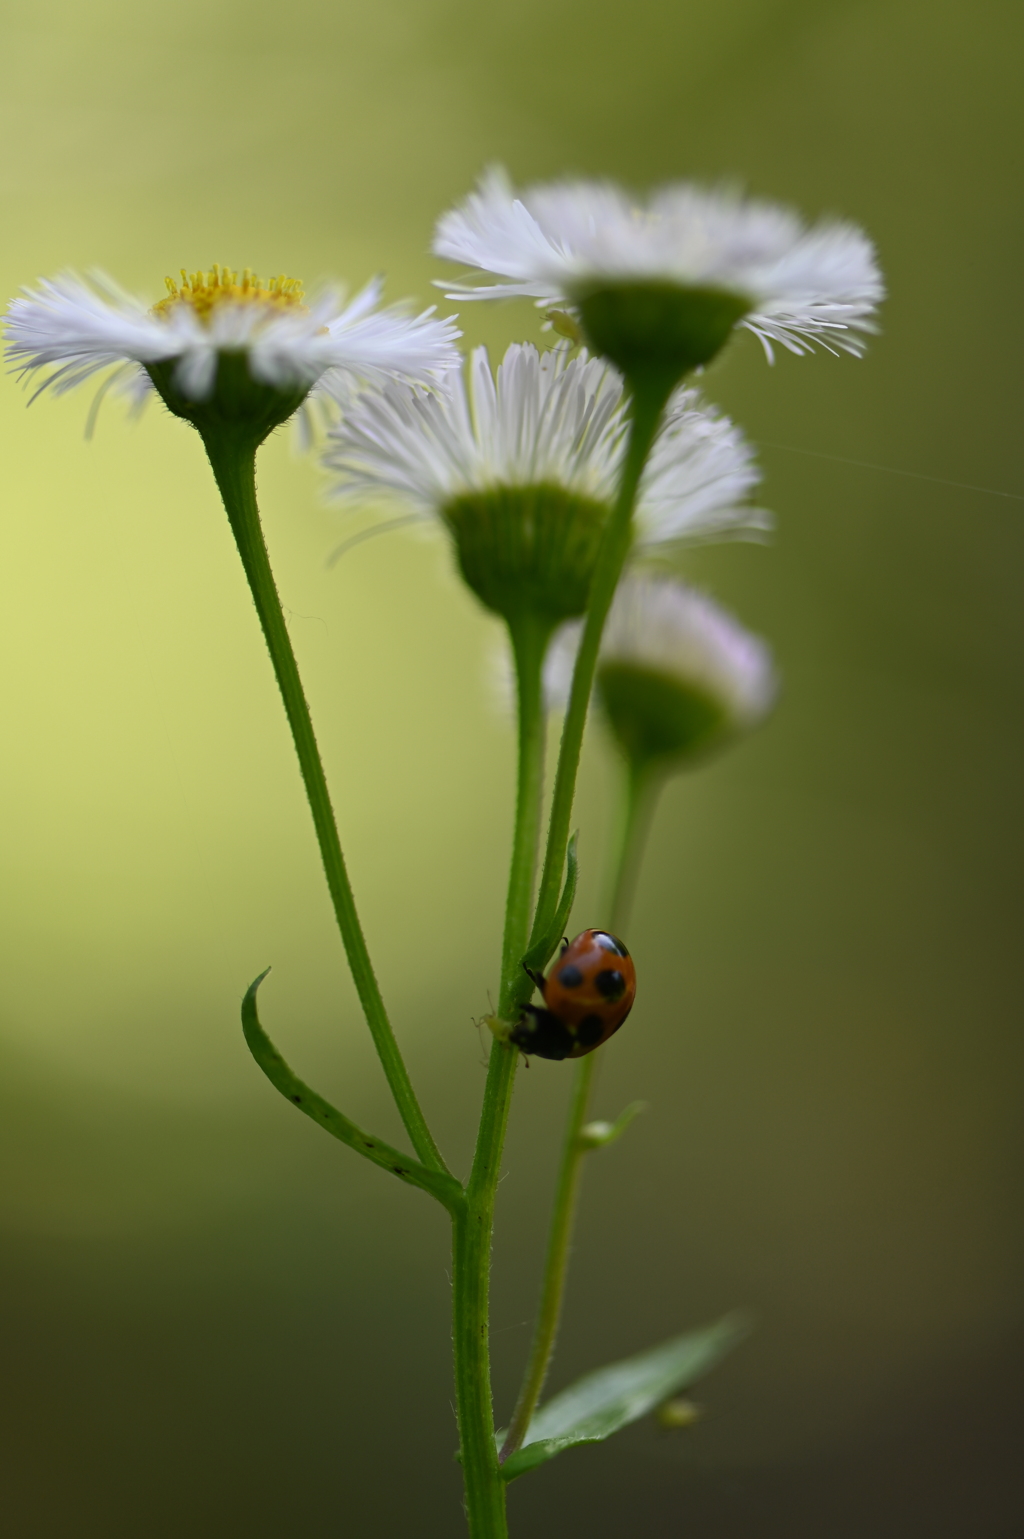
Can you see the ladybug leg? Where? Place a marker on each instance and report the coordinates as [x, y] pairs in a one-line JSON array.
[[565, 944], [536, 978]]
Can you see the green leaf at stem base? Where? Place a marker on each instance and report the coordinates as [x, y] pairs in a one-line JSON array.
[[610, 1398], [445, 1188]]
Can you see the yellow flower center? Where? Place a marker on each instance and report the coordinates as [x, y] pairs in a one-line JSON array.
[[205, 292]]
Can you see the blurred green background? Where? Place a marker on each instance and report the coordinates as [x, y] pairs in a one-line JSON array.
[[216, 1322]]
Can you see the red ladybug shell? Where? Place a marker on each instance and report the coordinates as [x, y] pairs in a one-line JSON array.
[[591, 989]]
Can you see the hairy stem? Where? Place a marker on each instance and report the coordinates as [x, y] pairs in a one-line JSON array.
[[641, 785], [473, 1225], [556, 1261], [574, 1146], [530, 637], [472, 1229], [233, 458], [647, 408]]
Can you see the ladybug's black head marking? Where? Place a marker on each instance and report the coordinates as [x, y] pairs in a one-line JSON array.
[[610, 985], [542, 1033], [570, 977], [610, 943]]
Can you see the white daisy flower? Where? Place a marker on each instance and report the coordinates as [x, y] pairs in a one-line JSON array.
[[677, 674], [81, 328], [560, 242], [524, 469]]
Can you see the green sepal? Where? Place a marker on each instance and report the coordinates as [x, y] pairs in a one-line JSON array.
[[541, 950], [657, 332], [609, 1399], [445, 1188], [529, 548], [238, 404], [658, 718]]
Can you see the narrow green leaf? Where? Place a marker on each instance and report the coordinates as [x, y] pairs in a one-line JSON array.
[[541, 951], [445, 1188], [605, 1401]]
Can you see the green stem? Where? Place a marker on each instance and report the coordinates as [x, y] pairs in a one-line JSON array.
[[647, 408], [642, 784], [648, 404], [635, 821], [473, 1225], [233, 458], [530, 636], [556, 1262], [472, 1229]]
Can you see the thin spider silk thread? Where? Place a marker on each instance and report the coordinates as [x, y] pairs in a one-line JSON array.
[[891, 470]]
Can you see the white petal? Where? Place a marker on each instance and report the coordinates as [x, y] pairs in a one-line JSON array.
[[545, 419], [82, 329], [805, 285]]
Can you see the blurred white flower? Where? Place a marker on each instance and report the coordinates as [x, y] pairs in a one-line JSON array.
[[558, 241], [546, 421], [677, 673], [83, 327]]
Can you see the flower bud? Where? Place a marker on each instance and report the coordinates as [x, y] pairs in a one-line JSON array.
[[677, 678], [678, 1413]]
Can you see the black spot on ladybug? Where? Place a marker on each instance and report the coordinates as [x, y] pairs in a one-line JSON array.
[[570, 977], [609, 984], [609, 943], [590, 1030]]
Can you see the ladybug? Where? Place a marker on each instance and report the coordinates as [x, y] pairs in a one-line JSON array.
[[587, 996]]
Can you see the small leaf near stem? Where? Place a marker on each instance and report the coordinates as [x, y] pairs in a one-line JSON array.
[[445, 1188], [231, 448], [598, 1135], [612, 1397]]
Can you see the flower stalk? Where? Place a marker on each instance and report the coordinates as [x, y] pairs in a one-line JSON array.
[[232, 455], [473, 1226], [575, 1146], [647, 405], [530, 634]]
